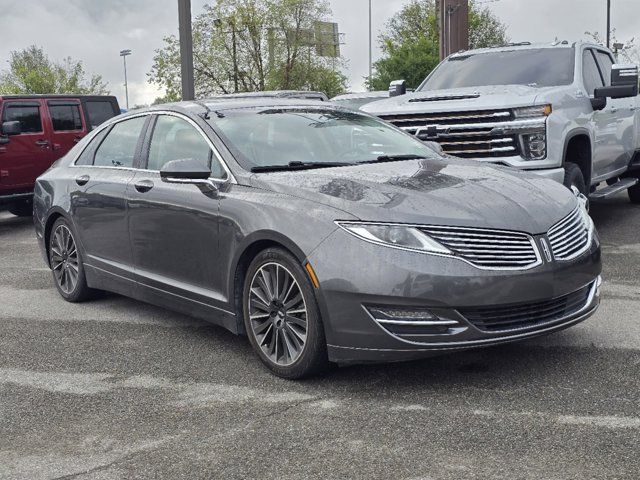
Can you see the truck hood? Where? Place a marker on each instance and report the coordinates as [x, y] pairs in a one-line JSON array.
[[431, 192], [456, 99]]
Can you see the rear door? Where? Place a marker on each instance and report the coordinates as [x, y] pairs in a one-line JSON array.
[[27, 155], [66, 125]]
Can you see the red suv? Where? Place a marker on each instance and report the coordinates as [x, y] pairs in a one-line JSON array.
[[36, 130]]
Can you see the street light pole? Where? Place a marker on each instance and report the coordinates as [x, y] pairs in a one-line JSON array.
[[608, 23], [370, 46], [123, 54], [186, 49]]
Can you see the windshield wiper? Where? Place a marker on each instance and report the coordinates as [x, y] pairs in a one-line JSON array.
[[394, 158], [298, 166]]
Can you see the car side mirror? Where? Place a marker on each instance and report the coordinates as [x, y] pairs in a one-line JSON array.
[[599, 103], [624, 83], [188, 170], [11, 128], [397, 88]]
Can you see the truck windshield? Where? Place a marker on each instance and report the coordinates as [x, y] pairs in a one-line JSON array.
[[543, 67]]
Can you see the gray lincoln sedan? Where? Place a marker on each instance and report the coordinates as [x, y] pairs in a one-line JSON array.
[[323, 234]]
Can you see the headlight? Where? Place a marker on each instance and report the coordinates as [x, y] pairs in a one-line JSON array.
[[534, 146], [396, 236], [532, 112]]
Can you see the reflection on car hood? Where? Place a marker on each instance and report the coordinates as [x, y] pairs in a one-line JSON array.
[[431, 192]]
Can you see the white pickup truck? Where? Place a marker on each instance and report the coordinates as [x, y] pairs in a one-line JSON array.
[[564, 111]]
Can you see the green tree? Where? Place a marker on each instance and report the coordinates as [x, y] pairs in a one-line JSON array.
[[32, 72], [410, 44], [252, 45]]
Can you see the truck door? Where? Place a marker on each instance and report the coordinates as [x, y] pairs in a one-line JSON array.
[[623, 115], [66, 125], [603, 122], [27, 155]]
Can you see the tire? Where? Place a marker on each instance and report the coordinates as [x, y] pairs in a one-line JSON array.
[[284, 327], [634, 194], [21, 209], [66, 263], [573, 178]]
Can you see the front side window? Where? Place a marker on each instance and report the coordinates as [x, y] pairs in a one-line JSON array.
[[543, 67], [176, 139], [606, 65], [590, 73], [65, 118], [280, 136], [27, 115], [118, 149]]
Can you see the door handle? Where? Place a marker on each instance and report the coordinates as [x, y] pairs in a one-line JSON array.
[[82, 180], [143, 186], [614, 110], [42, 143]]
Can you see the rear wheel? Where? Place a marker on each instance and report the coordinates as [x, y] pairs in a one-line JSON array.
[[281, 316], [66, 263], [21, 209]]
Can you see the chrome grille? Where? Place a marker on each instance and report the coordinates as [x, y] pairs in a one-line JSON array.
[[464, 134], [493, 249], [569, 237]]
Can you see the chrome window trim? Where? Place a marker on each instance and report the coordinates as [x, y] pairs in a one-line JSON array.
[[529, 237], [231, 178]]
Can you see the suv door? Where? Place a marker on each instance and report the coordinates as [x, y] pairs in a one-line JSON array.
[[28, 155], [622, 145], [102, 174], [174, 227], [603, 122], [67, 126]]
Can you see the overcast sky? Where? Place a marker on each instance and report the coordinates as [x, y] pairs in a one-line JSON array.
[[94, 31]]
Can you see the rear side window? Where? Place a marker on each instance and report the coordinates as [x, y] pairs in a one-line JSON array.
[[65, 118], [86, 157], [27, 115], [590, 73], [118, 149], [99, 112]]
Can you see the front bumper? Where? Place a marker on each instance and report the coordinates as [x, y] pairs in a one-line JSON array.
[[355, 274]]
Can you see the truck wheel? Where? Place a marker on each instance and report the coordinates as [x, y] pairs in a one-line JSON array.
[[22, 209], [573, 178], [634, 194]]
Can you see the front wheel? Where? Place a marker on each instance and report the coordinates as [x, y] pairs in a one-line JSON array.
[[66, 263], [573, 178], [281, 316]]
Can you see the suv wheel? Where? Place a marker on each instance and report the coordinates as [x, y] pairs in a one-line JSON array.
[[573, 178], [281, 316], [22, 209], [66, 263]]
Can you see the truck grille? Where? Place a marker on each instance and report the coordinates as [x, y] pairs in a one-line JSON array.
[[569, 237], [526, 315], [492, 249], [463, 134]]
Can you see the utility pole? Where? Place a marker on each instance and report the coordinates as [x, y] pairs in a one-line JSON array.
[[370, 46], [123, 54], [454, 26], [186, 49], [608, 23]]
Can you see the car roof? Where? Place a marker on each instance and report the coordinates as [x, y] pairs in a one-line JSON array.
[[354, 95], [56, 95], [276, 94], [522, 46]]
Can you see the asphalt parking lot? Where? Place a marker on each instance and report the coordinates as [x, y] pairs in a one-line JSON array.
[[116, 389]]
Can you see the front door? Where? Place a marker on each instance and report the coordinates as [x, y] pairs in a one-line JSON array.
[[67, 125], [98, 199], [26, 156], [174, 227]]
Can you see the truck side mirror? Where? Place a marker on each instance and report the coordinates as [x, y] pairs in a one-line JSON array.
[[397, 88], [11, 128], [624, 83]]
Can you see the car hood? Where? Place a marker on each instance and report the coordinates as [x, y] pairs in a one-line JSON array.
[[456, 99], [431, 192]]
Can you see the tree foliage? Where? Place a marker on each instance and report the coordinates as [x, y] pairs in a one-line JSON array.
[[410, 44], [32, 72], [252, 45]]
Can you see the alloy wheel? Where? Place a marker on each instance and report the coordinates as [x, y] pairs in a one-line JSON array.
[[64, 259], [277, 313]]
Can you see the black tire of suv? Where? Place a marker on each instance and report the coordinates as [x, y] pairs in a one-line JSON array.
[[573, 178], [634, 194], [313, 359], [81, 292], [21, 209]]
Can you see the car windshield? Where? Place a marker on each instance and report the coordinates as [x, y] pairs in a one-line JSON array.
[[266, 137], [543, 67]]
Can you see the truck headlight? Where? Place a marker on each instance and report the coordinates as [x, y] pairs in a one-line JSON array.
[[532, 112], [396, 236], [534, 146]]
